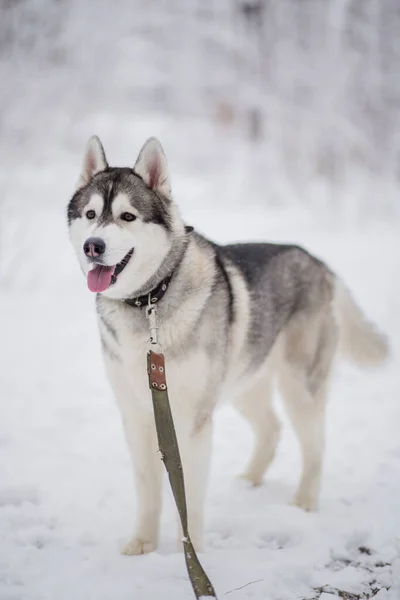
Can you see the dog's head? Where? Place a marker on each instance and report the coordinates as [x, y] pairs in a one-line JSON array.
[[123, 223]]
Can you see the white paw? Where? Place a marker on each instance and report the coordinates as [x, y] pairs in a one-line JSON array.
[[255, 479], [138, 546], [305, 501]]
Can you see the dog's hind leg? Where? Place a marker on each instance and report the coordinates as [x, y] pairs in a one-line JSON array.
[[256, 407], [303, 380], [307, 415]]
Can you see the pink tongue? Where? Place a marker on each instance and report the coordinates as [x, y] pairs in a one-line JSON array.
[[99, 278]]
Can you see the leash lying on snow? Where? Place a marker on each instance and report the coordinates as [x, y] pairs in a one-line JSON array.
[[168, 445]]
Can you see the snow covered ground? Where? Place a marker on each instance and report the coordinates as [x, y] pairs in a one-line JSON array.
[[325, 176], [66, 496]]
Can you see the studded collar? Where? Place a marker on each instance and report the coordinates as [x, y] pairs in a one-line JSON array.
[[152, 297]]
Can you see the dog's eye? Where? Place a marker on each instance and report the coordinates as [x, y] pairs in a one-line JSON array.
[[90, 214], [128, 216]]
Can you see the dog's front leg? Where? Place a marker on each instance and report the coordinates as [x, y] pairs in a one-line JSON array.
[[195, 443], [140, 433], [147, 469]]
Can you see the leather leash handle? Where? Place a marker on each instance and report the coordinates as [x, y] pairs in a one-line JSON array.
[[168, 445]]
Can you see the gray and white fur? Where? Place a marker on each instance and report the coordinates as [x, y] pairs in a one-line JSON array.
[[234, 319]]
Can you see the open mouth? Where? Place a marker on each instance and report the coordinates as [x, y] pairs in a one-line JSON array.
[[101, 276]]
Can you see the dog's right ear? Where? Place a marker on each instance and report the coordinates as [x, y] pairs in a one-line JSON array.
[[94, 161]]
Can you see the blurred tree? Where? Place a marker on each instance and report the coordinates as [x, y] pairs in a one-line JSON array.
[[315, 84]]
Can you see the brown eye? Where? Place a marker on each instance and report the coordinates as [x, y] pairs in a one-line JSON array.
[[128, 217], [90, 214]]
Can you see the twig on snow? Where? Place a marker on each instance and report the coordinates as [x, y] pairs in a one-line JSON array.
[[243, 586]]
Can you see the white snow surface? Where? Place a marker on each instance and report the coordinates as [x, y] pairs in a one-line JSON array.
[[66, 494]]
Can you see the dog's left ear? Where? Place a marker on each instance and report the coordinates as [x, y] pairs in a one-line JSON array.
[[152, 167], [94, 161]]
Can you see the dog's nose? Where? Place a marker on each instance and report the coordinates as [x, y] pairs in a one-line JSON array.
[[94, 247]]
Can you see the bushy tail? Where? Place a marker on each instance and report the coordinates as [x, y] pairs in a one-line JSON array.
[[360, 340]]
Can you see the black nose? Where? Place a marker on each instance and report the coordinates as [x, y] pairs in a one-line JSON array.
[[94, 247]]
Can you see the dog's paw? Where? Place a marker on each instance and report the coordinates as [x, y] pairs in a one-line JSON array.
[[305, 502], [255, 479], [138, 546]]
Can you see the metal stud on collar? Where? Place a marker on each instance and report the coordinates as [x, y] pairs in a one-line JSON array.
[[155, 295]]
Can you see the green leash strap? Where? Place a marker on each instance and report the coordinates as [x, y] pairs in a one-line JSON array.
[[168, 445]]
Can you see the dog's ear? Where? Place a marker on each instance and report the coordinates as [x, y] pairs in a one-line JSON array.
[[94, 161], [152, 167]]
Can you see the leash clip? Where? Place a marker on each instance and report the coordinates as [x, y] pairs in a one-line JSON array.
[[151, 316]]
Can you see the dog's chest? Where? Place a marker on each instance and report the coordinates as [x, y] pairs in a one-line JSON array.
[[124, 336], [125, 340]]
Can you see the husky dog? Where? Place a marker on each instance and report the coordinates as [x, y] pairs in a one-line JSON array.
[[232, 319]]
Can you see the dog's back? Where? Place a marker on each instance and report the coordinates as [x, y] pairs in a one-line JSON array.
[[282, 281], [287, 285]]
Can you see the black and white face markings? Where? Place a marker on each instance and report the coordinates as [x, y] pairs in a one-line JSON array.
[[119, 183]]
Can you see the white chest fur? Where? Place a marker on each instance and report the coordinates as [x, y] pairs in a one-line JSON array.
[[125, 335]]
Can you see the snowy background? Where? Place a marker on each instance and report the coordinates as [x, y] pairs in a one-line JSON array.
[[281, 120]]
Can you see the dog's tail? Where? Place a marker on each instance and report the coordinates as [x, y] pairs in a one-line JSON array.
[[360, 340]]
